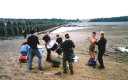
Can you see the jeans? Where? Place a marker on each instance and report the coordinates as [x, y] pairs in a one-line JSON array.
[[32, 53]]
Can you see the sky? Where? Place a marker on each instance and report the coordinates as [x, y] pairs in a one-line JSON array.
[[64, 9]]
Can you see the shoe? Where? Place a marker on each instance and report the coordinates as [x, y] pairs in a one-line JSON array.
[[30, 68], [94, 65], [58, 73], [65, 72], [72, 73], [40, 68], [101, 67]]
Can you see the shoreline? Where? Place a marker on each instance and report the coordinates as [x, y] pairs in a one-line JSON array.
[[116, 63]]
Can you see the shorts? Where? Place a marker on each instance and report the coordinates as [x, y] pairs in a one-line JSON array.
[[92, 47]]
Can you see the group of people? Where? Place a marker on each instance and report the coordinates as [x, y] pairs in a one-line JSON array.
[[67, 47], [101, 47]]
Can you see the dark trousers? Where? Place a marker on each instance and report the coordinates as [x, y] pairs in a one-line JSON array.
[[65, 60], [100, 58], [48, 55]]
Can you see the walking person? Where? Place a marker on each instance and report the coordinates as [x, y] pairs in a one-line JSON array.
[[92, 41], [68, 47], [101, 47], [33, 42], [46, 38]]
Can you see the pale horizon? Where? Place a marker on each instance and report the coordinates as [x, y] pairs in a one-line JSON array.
[[62, 9]]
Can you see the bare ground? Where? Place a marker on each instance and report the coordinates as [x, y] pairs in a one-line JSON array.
[[116, 63]]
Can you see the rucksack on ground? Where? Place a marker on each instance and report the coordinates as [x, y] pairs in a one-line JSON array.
[[91, 62]]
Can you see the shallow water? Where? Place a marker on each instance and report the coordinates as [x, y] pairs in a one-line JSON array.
[[65, 29]]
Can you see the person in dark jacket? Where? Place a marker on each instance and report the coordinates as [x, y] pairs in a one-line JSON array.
[[101, 47], [67, 47], [59, 39], [25, 34], [46, 38], [32, 42]]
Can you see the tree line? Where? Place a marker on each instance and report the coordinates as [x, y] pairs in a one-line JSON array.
[[112, 19], [15, 27]]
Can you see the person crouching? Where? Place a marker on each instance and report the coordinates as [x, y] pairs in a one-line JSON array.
[[24, 52]]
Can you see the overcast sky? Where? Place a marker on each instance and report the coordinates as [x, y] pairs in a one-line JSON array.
[[66, 9]]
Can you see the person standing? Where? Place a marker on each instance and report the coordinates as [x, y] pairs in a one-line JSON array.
[[25, 34], [92, 44], [101, 47], [33, 42], [58, 39], [68, 47], [92, 47], [46, 38]]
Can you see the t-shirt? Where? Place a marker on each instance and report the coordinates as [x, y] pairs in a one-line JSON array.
[[25, 49], [67, 46], [33, 41]]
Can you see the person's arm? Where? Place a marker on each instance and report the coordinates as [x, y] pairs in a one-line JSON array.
[[89, 39], [97, 43], [37, 40], [73, 45]]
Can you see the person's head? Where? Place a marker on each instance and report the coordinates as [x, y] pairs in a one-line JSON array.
[[32, 32], [47, 32], [67, 36], [57, 36], [102, 33], [93, 34]]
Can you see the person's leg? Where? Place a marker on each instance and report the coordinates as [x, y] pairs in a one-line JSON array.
[[31, 55], [93, 54], [70, 66], [48, 55], [38, 54], [100, 59], [90, 53], [64, 64]]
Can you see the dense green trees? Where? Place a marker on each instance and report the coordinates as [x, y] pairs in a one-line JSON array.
[[112, 19], [14, 27]]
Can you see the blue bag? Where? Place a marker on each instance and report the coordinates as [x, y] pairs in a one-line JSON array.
[[91, 62]]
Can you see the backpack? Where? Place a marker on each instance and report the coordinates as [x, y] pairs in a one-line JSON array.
[[91, 62]]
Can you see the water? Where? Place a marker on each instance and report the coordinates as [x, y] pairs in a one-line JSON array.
[[65, 29]]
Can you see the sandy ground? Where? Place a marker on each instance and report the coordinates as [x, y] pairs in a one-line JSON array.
[[116, 65]]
